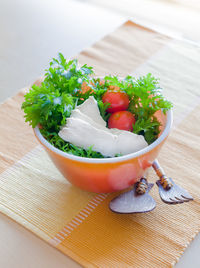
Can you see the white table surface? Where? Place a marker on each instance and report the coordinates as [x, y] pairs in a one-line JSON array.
[[31, 33]]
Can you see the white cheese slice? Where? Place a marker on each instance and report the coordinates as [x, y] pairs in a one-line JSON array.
[[128, 142], [116, 131], [83, 134], [91, 109], [76, 113], [86, 128]]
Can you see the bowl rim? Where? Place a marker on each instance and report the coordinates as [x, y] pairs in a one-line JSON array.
[[111, 159]]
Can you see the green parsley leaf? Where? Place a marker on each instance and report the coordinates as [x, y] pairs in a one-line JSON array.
[[51, 103]]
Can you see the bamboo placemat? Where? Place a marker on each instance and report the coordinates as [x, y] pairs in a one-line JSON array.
[[78, 223]]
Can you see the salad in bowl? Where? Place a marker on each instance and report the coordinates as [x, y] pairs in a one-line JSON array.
[[102, 133]]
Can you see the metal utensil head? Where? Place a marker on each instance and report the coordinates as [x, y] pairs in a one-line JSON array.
[[131, 202], [175, 195]]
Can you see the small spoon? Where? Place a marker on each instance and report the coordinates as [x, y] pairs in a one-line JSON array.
[[132, 202]]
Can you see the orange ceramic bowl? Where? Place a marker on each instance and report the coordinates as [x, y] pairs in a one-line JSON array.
[[106, 175]]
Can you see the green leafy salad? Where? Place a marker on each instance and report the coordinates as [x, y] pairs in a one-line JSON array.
[[128, 104]]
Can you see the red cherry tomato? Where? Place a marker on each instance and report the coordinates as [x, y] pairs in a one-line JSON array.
[[122, 120], [118, 100]]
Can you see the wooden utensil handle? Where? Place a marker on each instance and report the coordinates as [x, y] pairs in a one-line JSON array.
[[141, 186], [164, 180], [158, 169]]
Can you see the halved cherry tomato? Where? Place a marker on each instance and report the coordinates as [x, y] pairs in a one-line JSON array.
[[122, 120], [118, 100]]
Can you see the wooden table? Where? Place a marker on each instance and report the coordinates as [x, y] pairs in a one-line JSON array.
[[32, 32]]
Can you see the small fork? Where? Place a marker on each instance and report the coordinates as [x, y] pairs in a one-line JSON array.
[[170, 192]]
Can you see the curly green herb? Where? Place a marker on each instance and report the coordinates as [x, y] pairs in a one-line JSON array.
[[61, 91]]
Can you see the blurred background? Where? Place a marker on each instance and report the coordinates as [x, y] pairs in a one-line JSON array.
[[34, 31], [174, 16]]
